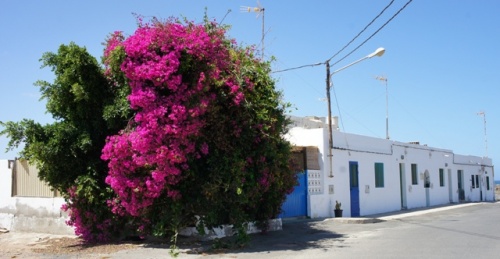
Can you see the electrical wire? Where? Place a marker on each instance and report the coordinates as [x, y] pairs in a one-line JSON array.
[[299, 67], [371, 36], [369, 24], [363, 30], [340, 117]]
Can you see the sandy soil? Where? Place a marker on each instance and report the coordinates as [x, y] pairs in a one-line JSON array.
[[39, 245], [36, 245]]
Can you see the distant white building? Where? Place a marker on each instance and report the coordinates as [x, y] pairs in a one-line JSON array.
[[371, 175]]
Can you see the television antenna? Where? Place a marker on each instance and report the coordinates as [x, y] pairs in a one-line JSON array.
[[258, 10], [483, 114], [384, 79]]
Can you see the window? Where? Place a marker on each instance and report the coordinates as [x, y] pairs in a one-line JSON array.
[[472, 181], [487, 183], [379, 175], [353, 172], [414, 177], [441, 177], [460, 177], [477, 181]]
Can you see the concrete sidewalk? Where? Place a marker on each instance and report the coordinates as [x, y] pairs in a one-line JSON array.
[[399, 214]]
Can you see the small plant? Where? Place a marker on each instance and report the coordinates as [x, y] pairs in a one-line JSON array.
[[338, 210], [338, 205]]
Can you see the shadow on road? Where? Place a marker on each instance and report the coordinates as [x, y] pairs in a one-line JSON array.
[[297, 234]]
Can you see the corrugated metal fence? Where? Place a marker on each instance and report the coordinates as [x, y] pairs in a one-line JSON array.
[[25, 182]]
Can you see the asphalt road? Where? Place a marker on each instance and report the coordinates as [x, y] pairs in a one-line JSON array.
[[463, 231]]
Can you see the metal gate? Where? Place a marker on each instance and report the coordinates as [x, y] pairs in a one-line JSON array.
[[295, 204]]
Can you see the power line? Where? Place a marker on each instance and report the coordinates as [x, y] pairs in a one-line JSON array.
[[371, 36], [294, 68], [366, 27]]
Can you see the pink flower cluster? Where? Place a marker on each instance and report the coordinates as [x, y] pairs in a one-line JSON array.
[[85, 221], [172, 70]]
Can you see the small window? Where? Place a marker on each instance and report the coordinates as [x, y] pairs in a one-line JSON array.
[[441, 177], [472, 181], [487, 183], [414, 176], [379, 175], [477, 181], [353, 172]]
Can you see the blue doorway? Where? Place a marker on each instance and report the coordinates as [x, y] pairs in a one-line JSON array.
[[295, 204], [354, 187]]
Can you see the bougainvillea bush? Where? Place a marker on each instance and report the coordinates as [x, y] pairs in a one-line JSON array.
[[186, 129], [206, 143]]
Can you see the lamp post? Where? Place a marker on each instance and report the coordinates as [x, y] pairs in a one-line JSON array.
[[379, 52], [381, 78]]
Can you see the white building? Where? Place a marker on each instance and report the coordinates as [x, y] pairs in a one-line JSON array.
[[28, 204], [371, 175]]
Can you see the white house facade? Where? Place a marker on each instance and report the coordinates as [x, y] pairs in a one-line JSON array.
[[371, 175]]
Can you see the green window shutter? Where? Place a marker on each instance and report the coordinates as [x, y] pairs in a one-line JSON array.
[[441, 177], [414, 176], [379, 175]]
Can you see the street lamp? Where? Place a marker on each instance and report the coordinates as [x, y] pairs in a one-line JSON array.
[[379, 52]]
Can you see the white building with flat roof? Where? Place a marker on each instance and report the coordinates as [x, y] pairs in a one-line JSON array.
[[372, 175]]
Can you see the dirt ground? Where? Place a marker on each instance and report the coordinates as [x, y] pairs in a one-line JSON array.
[[36, 245], [39, 245]]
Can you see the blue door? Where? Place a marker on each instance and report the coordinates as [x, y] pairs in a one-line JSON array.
[[295, 204], [354, 187]]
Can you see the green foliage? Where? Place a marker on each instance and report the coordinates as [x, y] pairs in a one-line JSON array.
[[67, 152], [244, 175]]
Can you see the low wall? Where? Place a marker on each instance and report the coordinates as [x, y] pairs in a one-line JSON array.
[[227, 230], [40, 215], [44, 215]]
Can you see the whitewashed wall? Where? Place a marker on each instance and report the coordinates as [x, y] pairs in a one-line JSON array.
[[5, 180], [29, 214], [367, 151]]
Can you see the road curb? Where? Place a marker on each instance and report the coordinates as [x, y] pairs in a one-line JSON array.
[[398, 214]]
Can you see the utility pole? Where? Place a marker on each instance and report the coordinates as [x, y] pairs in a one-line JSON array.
[[378, 52], [483, 114], [330, 133], [381, 78]]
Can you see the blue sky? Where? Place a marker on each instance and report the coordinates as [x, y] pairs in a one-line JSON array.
[[441, 60]]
